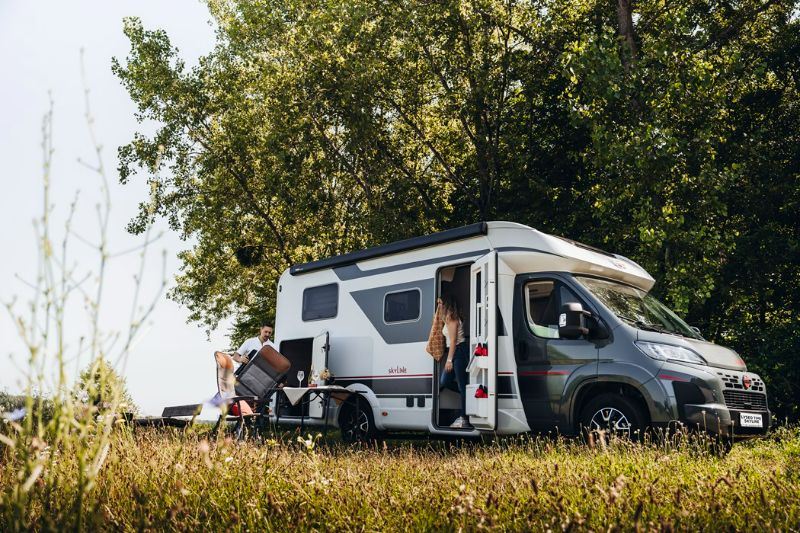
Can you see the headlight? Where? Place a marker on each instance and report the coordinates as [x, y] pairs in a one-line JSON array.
[[668, 352]]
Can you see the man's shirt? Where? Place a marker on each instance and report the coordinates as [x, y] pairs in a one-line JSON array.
[[252, 344]]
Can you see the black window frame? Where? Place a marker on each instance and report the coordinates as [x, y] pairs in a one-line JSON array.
[[303, 309], [407, 320], [559, 285]]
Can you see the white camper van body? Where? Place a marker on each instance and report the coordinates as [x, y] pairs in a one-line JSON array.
[[387, 362], [366, 316]]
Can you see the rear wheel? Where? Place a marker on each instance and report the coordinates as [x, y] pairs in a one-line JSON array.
[[356, 421], [613, 415]]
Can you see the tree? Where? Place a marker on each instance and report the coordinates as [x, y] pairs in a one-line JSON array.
[[314, 130], [665, 131], [693, 165], [100, 385]]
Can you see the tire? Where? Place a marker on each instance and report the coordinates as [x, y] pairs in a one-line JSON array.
[[614, 414], [356, 422]]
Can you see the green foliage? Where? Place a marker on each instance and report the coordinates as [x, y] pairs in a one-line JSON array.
[[42, 407], [666, 132], [525, 484], [102, 386]]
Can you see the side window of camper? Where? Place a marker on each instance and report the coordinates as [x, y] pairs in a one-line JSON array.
[[403, 306], [542, 308], [321, 302]]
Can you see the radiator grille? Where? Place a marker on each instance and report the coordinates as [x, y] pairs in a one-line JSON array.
[[734, 381], [745, 400]]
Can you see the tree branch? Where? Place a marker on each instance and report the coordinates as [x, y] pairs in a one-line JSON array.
[[336, 152], [737, 24], [422, 137]]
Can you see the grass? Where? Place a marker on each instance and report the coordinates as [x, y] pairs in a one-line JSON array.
[[173, 481]]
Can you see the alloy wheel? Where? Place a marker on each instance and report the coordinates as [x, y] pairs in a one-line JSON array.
[[611, 420], [357, 426]]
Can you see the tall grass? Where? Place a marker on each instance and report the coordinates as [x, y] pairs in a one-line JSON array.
[[55, 428], [157, 480]]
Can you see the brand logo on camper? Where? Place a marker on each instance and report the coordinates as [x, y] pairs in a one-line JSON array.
[[747, 382], [398, 370]]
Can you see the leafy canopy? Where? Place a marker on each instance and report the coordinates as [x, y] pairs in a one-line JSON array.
[[665, 131]]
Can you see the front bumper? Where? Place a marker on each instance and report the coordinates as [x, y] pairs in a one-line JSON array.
[[719, 420], [714, 400]]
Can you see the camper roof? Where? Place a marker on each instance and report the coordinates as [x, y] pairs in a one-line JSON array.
[[514, 240], [455, 234]]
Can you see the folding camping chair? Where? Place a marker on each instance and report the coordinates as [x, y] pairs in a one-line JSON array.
[[256, 383]]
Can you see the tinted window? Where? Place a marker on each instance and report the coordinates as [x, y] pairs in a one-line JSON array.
[[542, 308], [544, 301], [401, 306], [321, 302], [568, 297]]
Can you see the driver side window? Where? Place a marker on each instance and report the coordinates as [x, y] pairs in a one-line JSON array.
[[542, 308], [543, 301]]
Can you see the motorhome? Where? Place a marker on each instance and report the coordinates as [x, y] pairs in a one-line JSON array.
[[562, 336]]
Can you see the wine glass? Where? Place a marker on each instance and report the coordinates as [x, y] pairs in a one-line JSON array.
[[300, 376]]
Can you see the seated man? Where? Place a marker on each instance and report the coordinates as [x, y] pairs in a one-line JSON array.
[[225, 376]]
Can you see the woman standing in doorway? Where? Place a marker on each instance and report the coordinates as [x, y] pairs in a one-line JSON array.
[[455, 367]]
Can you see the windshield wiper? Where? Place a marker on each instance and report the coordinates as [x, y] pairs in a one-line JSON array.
[[644, 325], [652, 327]]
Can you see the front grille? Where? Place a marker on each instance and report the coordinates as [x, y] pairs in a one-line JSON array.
[[745, 400], [734, 381]]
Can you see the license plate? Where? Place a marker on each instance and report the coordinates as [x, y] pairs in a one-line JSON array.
[[750, 420]]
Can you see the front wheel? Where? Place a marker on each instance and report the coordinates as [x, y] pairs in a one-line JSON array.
[[613, 414], [356, 421]]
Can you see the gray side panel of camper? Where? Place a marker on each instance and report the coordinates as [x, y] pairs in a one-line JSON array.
[[371, 303]]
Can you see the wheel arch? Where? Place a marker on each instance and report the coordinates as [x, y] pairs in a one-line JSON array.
[[593, 388], [367, 394]]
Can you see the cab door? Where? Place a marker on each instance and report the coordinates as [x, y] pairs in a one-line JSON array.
[[319, 362], [481, 393], [546, 362]]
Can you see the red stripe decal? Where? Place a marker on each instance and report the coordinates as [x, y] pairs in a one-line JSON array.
[[671, 378], [545, 373], [387, 376]]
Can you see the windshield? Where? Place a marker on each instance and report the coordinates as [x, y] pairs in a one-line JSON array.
[[637, 307]]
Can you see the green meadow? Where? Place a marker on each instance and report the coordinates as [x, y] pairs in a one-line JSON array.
[[166, 480]]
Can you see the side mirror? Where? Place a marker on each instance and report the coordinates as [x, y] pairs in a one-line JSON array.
[[572, 321], [697, 331]]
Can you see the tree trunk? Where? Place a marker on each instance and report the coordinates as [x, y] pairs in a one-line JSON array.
[[628, 51]]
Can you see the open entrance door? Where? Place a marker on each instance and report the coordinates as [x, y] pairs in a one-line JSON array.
[[319, 362], [481, 400]]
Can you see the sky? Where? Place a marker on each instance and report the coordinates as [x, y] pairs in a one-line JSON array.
[[40, 61]]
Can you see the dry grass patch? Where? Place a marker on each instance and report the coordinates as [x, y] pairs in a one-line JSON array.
[[156, 480]]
